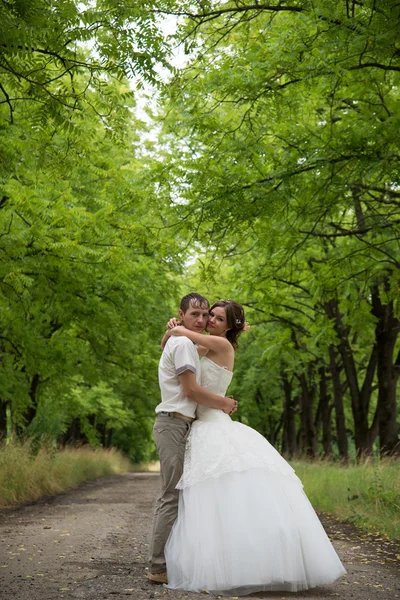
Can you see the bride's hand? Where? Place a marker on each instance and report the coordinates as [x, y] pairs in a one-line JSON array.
[[173, 323]]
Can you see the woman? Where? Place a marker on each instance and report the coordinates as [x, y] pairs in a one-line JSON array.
[[244, 522]]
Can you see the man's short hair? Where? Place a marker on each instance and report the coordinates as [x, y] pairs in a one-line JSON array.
[[194, 300]]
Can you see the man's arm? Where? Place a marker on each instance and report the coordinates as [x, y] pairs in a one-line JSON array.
[[194, 391]]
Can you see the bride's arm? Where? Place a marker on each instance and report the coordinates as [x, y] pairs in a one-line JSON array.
[[164, 340], [201, 350], [210, 342], [171, 323]]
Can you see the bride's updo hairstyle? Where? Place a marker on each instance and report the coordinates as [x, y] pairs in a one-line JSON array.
[[234, 317]]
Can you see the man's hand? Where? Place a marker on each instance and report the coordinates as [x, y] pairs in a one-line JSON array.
[[231, 405], [194, 391]]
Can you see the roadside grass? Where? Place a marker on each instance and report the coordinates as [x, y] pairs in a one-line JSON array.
[[25, 475], [365, 494]]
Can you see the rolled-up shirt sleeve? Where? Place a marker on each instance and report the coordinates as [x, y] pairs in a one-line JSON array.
[[185, 356]]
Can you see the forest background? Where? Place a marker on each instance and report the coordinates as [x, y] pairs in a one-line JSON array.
[[266, 170]]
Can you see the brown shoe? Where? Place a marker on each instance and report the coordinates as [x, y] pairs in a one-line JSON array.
[[157, 577]]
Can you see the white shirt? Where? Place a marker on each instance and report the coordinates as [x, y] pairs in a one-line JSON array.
[[179, 355]]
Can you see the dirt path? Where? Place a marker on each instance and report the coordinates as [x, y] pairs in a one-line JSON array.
[[92, 543]]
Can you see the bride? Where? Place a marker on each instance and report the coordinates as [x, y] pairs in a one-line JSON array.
[[244, 522]]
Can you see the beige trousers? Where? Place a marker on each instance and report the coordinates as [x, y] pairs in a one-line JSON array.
[[170, 435]]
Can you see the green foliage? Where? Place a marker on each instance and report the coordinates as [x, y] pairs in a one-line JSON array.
[[274, 181], [84, 288], [44, 54], [86, 276], [281, 163]]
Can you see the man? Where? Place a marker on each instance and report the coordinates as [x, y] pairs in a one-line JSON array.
[[179, 376]]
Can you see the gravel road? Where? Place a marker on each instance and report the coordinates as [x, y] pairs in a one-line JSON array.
[[92, 544]]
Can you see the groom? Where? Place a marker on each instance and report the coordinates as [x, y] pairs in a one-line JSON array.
[[179, 376]]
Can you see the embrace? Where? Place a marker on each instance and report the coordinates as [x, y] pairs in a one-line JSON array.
[[232, 517]]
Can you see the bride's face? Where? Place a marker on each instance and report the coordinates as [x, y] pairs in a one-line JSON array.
[[217, 322]]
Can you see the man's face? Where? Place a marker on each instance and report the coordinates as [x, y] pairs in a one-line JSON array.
[[195, 318]]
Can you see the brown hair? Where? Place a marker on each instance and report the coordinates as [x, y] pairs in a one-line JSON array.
[[235, 319], [193, 299]]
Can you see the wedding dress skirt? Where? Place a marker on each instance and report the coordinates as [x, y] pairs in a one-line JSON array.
[[244, 522]]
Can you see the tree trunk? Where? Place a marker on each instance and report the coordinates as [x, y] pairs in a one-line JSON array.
[[3, 420], [105, 435], [32, 409], [325, 413], [340, 420], [308, 441], [289, 441], [308, 438], [263, 427], [386, 333], [74, 434], [360, 398], [102, 432], [108, 439]]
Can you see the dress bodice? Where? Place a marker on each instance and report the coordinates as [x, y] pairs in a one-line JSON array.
[[218, 445], [216, 379]]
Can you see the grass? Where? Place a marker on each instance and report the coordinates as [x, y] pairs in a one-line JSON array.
[[365, 494], [26, 476]]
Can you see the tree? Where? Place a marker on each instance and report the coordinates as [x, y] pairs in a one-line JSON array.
[[44, 51], [85, 279], [282, 150]]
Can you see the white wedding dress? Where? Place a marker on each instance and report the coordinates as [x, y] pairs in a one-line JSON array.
[[244, 523]]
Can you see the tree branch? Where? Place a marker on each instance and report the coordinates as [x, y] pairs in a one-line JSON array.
[[291, 324], [8, 102], [348, 232], [9, 226], [317, 165], [383, 190], [236, 9], [3, 200], [372, 65]]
